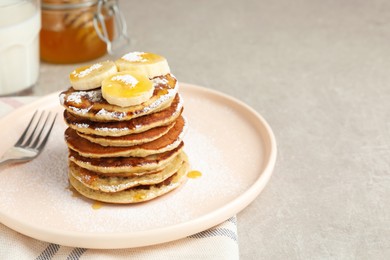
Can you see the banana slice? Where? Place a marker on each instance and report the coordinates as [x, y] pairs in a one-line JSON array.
[[150, 64], [127, 89], [91, 76]]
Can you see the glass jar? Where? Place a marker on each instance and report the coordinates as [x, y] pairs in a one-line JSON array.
[[75, 31]]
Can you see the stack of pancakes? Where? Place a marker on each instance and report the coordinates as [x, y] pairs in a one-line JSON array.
[[125, 154]]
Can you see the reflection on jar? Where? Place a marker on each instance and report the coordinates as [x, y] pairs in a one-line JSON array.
[[68, 33]]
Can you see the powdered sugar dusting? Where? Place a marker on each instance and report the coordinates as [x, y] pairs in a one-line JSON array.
[[81, 111], [162, 81], [113, 114], [62, 98], [87, 71], [94, 95], [82, 125], [171, 93], [134, 57], [126, 79], [77, 96], [111, 129]]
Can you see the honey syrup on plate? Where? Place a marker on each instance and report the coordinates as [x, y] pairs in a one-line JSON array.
[[194, 174], [97, 205], [75, 194]]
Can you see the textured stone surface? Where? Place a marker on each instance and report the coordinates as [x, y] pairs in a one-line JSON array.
[[318, 71]]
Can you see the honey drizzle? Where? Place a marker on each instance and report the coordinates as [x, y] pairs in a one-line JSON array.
[[194, 174], [139, 196], [97, 205], [75, 194]]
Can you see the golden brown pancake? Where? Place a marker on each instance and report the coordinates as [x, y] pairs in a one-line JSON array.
[[167, 142], [96, 181], [136, 194], [120, 128], [125, 154], [129, 140], [92, 106], [125, 166]]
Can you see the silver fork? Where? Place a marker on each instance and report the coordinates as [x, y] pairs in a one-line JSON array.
[[32, 141]]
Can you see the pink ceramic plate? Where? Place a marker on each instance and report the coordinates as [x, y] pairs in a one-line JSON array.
[[227, 141]]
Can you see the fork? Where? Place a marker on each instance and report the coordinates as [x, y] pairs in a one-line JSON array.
[[32, 141]]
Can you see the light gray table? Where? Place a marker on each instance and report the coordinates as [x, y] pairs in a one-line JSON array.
[[319, 72]]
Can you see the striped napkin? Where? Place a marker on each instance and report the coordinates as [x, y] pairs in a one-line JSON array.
[[219, 242]]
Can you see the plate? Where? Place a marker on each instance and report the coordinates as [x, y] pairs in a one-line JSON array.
[[227, 141]]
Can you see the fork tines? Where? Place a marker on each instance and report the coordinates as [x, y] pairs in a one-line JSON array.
[[37, 131]]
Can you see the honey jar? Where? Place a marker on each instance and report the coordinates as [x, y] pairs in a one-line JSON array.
[[75, 31]]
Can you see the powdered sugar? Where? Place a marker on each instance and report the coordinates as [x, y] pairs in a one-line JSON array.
[[110, 114], [81, 111], [87, 71], [127, 79], [94, 95], [111, 129], [62, 98], [77, 96], [134, 57], [157, 81], [82, 125], [158, 102]]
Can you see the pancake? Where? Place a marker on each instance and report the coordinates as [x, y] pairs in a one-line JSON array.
[[125, 132], [137, 194], [165, 143], [95, 181], [120, 128], [92, 106], [125, 166], [131, 139]]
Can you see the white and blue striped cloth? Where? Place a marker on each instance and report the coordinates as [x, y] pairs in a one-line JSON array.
[[219, 242]]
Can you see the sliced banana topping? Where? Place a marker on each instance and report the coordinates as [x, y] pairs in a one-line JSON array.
[[127, 89], [91, 76], [150, 64]]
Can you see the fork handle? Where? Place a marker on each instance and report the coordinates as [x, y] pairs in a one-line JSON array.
[[4, 161], [16, 154]]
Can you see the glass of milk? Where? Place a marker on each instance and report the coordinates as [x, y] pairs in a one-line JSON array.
[[20, 23]]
